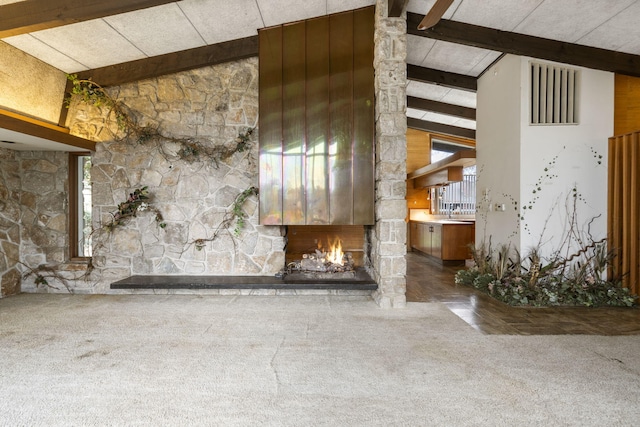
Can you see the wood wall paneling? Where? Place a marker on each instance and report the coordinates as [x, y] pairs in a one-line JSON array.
[[418, 149], [626, 104], [624, 208]]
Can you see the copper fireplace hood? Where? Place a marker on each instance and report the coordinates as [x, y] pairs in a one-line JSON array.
[[317, 121]]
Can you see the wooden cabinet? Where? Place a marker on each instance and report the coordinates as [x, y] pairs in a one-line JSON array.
[[448, 242]]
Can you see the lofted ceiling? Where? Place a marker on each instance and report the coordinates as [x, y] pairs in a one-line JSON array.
[[80, 44]]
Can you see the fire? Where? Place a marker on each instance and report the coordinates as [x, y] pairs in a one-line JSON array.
[[335, 254]]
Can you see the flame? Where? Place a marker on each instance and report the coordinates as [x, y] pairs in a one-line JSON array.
[[335, 254]]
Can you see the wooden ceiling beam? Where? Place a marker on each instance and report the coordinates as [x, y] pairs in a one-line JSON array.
[[175, 62], [525, 45], [441, 107], [441, 128], [442, 78], [34, 15], [22, 124], [396, 7]]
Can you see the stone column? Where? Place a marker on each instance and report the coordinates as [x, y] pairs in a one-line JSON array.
[[388, 238]]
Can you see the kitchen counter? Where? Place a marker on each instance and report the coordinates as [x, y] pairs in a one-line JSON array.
[[448, 221], [446, 240]]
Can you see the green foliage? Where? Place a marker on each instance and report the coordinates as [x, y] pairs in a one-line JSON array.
[[236, 214], [537, 281], [136, 202], [191, 150], [237, 209]]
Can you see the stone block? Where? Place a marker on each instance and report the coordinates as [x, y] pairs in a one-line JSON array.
[[274, 263], [168, 90], [392, 249], [390, 171], [391, 209], [127, 241], [244, 264], [219, 263]]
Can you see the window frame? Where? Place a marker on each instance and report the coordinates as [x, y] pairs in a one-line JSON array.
[[73, 206]]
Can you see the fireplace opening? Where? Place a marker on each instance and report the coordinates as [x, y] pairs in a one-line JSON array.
[[327, 252]]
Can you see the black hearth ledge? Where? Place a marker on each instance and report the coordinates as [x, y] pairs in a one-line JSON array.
[[361, 281]]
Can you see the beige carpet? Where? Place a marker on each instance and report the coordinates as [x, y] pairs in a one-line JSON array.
[[296, 361]]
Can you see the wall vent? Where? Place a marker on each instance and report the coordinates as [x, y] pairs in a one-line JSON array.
[[554, 94]]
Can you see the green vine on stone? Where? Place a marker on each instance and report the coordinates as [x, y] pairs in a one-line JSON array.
[[136, 202], [191, 150], [235, 214]]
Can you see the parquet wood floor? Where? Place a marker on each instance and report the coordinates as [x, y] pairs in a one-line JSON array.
[[428, 281]]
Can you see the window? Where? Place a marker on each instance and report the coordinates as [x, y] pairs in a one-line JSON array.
[[80, 205], [441, 149], [459, 198]]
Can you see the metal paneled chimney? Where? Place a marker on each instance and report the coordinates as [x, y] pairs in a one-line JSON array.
[[317, 121]]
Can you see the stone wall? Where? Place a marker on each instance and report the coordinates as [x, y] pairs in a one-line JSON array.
[[212, 104], [9, 223], [387, 239], [33, 216]]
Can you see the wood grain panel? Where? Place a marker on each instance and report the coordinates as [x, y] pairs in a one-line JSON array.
[[626, 104], [418, 149], [624, 208]]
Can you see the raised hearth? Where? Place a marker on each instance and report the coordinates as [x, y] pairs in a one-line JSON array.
[[361, 281]]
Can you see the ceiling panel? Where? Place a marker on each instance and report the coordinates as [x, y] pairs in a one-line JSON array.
[[221, 20], [418, 48], [569, 20], [166, 29], [454, 58], [34, 47], [621, 32], [275, 12], [484, 63], [426, 90], [335, 6], [449, 120], [415, 114], [93, 43], [460, 97], [495, 13]]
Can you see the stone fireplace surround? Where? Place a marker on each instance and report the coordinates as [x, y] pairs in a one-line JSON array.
[[217, 103]]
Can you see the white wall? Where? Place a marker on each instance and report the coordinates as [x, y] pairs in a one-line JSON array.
[[516, 158], [498, 151]]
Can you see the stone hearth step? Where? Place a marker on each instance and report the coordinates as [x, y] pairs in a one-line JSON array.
[[361, 282]]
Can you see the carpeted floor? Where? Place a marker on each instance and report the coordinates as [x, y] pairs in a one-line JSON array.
[[302, 361]]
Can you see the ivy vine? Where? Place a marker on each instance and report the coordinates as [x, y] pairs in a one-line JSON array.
[[236, 214], [136, 202], [190, 149]]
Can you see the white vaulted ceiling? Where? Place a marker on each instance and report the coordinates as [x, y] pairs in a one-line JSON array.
[[186, 24]]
